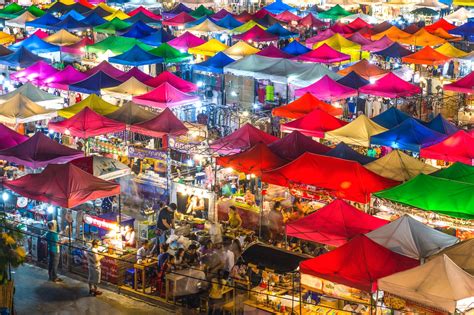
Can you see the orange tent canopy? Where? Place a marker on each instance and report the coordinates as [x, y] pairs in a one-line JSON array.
[[365, 69], [426, 56], [303, 106], [441, 33], [422, 38], [394, 33]]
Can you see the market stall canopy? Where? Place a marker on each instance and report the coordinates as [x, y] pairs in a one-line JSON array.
[[222, 13], [378, 45], [281, 32], [359, 21], [412, 28], [278, 7], [439, 283], [39, 151], [460, 15], [63, 185], [94, 20], [20, 109], [450, 51], [102, 167], [356, 264], [458, 147], [273, 52], [303, 106], [240, 50], [359, 39], [136, 56], [94, 84], [176, 10], [35, 95], [345, 152], [10, 138], [143, 17], [314, 124], [165, 96], [426, 56], [442, 125], [5, 39], [138, 30], [171, 54], [20, 20], [115, 45], [463, 85], [242, 139], [393, 33], [119, 14], [44, 21], [324, 54], [35, 45], [381, 27], [106, 68], [179, 20], [462, 254], [70, 23], [457, 171], [334, 13], [77, 48], [358, 132], [399, 166], [327, 89], [62, 79], [87, 123], [131, 113], [207, 26], [341, 28], [365, 69], [341, 178], [99, 11], [391, 86], [256, 34], [274, 258], [466, 30], [395, 50], [295, 144], [334, 224], [163, 124], [35, 73], [144, 11], [11, 9], [295, 48], [441, 23], [201, 11], [62, 38], [311, 21], [244, 17], [186, 41], [353, 80], [215, 64], [111, 27], [136, 73], [4, 51], [443, 196], [174, 80], [159, 37], [321, 36], [127, 89], [229, 22], [93, 102]]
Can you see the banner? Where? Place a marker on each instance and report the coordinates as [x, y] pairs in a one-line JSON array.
[[142, 153]]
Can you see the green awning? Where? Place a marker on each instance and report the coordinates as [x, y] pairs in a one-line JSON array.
[[35, 11], [335, 13], [200, 12], [116, 44], [170, 54], [112, 27], [12, 8], [458, 171]]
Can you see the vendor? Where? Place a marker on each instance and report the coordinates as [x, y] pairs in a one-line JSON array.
[[143, 251], [129, 236], [195, 206], [249, 198], [234, 221]]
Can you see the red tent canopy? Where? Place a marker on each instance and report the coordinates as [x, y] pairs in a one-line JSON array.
[[341, 28], [463, 85], [323, 54], [146, 12], [256, 34], [315, 124], [260, 14], [63, 185], [295, 144], [303, 106], [390, 86], [10, 137], [242, 139], [165, 123], [357, 264], [441, 23], [165, 95], [178, 20], [342, 178], [244, 17], [274, 52], [311, 21], [358, 24], [426, 56], [253, 161], [174, 80], [136, 73], [334, 224], [458, 147], [87, 123], [287, 17], [327, 89]]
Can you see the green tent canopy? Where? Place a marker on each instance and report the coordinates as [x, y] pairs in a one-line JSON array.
[[458, 171], [35, 11], [112, 27], [170, 54], [335, 13], [12, 8], [200, 12], [116, 44], [440, 195]]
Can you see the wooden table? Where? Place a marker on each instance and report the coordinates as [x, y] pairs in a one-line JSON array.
[[142, 267]]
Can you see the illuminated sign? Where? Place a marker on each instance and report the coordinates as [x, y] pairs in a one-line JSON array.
[[100, 223]]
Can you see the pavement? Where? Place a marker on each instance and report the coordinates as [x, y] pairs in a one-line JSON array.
[[34, 294]]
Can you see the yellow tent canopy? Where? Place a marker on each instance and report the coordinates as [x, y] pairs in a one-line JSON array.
[[129, 88], [207, 26], [209, 48], [94, 102], [106, 7], [394, 33], [445, 35], [240, 50], [20, 109], [62, 38], [245, 27], [422, 38], [342, 44], [451, 51], [117, 14], [358, 132], [399, 166], [6, 38], [466, 3]]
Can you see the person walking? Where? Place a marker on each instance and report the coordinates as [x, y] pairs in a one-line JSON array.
[[53, 252], [93, 261]]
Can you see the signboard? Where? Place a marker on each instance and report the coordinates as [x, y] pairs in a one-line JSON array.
[[142, 153], [99, 222]]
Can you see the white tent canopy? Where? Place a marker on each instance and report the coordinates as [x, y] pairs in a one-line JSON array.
[[439, 283], [459, 16], [462, 254], [433, 4], [409, 237], [20, 20], [368, 18], [35, 95], [20, 109]]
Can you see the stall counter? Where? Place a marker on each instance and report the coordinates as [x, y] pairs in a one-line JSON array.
[[250, 215]]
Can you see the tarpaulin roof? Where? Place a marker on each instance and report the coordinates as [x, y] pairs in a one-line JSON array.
[[394, 33], [4, 51], [341, 178], [303, 106], [174, 80], [20, 20], [201, 11], [422, 38], [399, 166], [256, 34], [345, 152], [273, 52], [117, 14], [460, 15], [165, 123], [128, 88], [358, 23], [327, 89], [457, 171], [176, 10], [214, 64], [41, 34], [463, 85], [11, 8], [165, 95], [138, 30], [240, 50], [102, 167], [334, 13], [357, 264], [44, 21], [462, 254], [359, 39], [144, 11], [35, 45], [409, 237], [94, 20], [395, 50], [323, 54], [271, 257], [209, 48], [426, 56], [244, 17], [106, 68], [136, 56], [112, 27], [186, 41], [365, 69], [10, 137], [295, 144], [341, 28], [281, 32], [97, 11], [353, 80], [35, 73], [444, 196], [314, 124], [206, 26], [20, 109], [143, 17], [130, 113], [222, 13], [62, 79], [268, 20], [279, 6], [246, 27], [358, 132], [63, 185], [451, 51], [439, 283], [179, 19], [94, 83], [311, 21], [170, 54], [310, 42], [295, 48], [62, 37], [287, 16], [378, 45], [466, 30], [136, 73], [412, 28], [390, 118], [334, 224], [39, 151], [442, 125], [242, 139], [116, 45], [255, 160], [390, 86], [94, 102], [229, 22], [6, 39], [441, 23], [158, 37], [70, 23], [458, 147]]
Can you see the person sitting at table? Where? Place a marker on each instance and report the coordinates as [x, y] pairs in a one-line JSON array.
[[163, 269], [234, 221], [143, 251], [191, 256], [179, 261], [249, 198], [129, 236], [216, 294], [163, 256]]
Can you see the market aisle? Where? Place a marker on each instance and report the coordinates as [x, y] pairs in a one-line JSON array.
[[35, 295]]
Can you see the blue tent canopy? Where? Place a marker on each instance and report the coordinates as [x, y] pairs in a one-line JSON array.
[[295, 48], [199, 21], [390, 118], [136, 56], [142, 17], [97, 10], [94, 83], [466, 30], [157, 38], [345, 152], [394, 51], [228, 22], [280, 31], [176, 10], [35, 45], [214, 64], [43, 22], [78, 7], [21, 58], [441, 125], [74, 14], [268, 20], [138, 30], [59, 7], [94, 20], [70, 24], [278, 7], [353, 80], [409, 135]]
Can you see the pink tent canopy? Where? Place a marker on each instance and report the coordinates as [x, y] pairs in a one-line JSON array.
[[62, 79], [464, 85], [10, 137], [186, 41], [327, 89], [390, 86], [165, 95], [287, 17], [323, 54], [458, 147], [174, 80], [87, 123], [359, 39], [35, 73], [295, 144], [107, 68], [178, 20], [136, 73], [146, 12], [358, 24], [256, 34], [260, 14], [311, 21], [77, 48], [165, 123], [318, 38], [315, 124], [378, 45], [40, 34], [274, 52], [341, 28]]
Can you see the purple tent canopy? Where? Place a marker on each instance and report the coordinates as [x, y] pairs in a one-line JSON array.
[[175, 11], [10, 137], [94, 83], [359, 39], [35, 73], [39, 151], [318, 38], [106, 68], [62, 79], [327, 89], [136, 73], [378, 45]]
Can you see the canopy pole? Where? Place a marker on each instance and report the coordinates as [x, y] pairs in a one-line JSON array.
[[119, 210]]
